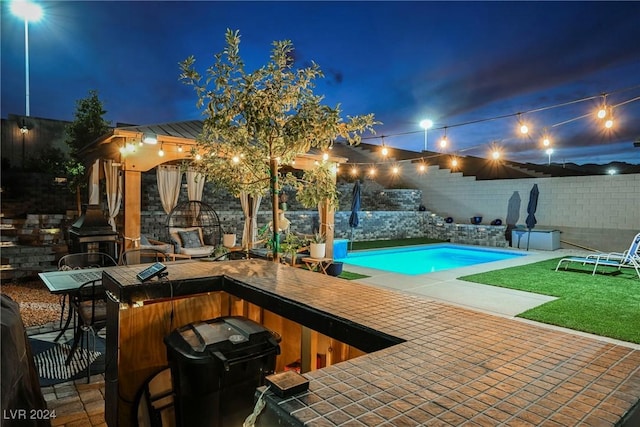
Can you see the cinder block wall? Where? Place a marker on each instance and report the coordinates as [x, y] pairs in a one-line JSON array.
[[594, 212], [598, 212]]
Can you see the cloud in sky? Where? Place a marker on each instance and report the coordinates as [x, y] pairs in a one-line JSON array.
[[452, 61]]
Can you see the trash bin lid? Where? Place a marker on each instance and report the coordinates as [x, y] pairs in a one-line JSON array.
[[226, 335]]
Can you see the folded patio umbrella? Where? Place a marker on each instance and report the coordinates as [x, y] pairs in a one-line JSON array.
[[531, 210]]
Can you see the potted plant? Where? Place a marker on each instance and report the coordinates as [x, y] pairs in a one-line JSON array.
[[220, 253], [290, 245], [317, 246]]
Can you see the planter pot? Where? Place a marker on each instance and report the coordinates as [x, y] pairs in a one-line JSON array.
[[317, 250], [335, 269], [229, 240]]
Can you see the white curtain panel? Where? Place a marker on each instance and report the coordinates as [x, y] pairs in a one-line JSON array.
[[195, 184], [114, 190], [94, 184], [169, 182], [250, 206]]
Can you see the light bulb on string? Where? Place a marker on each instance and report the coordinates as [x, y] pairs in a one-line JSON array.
[[444, 141], [395, 170], [602, 111], [422, 168], [180, 148], [385, 150], [235, 159], [524, 127], [161, 151], [372, 171], [354, 171], [609, 123]]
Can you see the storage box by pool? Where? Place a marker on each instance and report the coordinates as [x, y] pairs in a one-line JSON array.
[[340, 248], [216, 366]]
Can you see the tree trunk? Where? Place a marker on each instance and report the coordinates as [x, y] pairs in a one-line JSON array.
[[275, 221]]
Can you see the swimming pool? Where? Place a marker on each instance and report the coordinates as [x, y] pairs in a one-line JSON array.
[[425, 259]]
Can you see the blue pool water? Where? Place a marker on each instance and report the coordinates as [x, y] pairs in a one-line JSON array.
[[425, 259]]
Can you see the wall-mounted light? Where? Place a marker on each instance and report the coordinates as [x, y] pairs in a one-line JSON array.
[[24, 129], [150, 139]]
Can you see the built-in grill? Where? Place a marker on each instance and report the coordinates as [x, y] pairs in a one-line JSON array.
[[92, 233]]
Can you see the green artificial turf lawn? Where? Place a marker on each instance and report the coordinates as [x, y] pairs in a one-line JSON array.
[[605, 304]]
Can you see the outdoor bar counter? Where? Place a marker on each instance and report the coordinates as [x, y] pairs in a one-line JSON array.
[[427, 362]]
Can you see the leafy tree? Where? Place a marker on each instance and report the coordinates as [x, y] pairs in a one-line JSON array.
[[256, 122], [88, 126]]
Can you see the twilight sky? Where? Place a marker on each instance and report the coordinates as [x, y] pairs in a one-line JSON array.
[[453, 62]]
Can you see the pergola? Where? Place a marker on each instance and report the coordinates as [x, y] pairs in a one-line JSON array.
[[136, 150]]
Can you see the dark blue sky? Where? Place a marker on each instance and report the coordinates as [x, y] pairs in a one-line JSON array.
[[454, 62]]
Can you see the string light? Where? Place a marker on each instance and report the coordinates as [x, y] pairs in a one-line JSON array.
[[602, 112], [609, 123], [524, 128], [443, 140], [161, 151], [180, 148]]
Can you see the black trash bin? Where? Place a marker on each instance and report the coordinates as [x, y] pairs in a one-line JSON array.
[[216, 366]]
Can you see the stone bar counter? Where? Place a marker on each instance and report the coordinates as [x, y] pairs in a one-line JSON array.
[[426, 362]]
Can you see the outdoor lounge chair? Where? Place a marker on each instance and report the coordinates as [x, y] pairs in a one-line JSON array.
[[627, 259]]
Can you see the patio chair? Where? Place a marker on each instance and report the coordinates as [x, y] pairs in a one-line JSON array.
[[634, 249], [79, 261], [143, 256], [89, 302], [627, 259]]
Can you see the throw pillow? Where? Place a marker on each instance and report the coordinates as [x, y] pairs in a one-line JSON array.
[[190, 239]]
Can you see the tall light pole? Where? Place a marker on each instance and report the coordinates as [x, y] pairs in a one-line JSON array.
[[27, 11], [426, 124]]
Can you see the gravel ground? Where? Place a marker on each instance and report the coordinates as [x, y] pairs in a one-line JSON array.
[[37, 305]]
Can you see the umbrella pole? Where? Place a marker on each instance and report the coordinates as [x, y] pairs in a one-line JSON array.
[[351, 240], [528, 239]]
